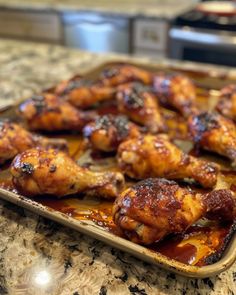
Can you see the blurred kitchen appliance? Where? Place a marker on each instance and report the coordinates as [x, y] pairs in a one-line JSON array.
[[206, 34], [226, 8], [96, 32]]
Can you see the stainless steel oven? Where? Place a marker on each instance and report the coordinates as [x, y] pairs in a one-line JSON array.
[[203, 45]]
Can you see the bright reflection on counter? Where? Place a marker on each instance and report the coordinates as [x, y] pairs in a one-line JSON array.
[[42, 278]]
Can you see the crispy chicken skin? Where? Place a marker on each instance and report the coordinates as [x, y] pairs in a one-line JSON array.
[[120, 74], [49, 113], [215, 133], [177, 91], [140, 105], [15, 139], [108, 131], [83, 93], [155, 156], [40, 171], [227, 102], [155, 207]]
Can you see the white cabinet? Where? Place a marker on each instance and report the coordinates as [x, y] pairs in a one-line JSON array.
[[42, 26], [150, 36]]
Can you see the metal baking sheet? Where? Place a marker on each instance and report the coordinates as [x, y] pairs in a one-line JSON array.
[[89, 227]]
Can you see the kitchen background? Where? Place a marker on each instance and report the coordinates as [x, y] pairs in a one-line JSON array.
[[180, 29]]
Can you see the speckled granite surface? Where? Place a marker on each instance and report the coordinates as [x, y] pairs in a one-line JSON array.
[[40, 257], [151, 8]]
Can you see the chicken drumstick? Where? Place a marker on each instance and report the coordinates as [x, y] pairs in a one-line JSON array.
[[108, 131], [177, 91], [120, 74], [155, 156], [140, 105], [48, 112], [47, 171], [15, 139], [227, 102], [215, 133], [83, 93], [154, 208]]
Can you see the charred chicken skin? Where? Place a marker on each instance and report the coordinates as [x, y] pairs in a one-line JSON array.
[[108, 131], [155, 208], [177, 91], [227, 102], [155, 156], [40, 171], [121, 74], [215, 133], [140, 105], [83, 93], [15, 139], [47, 112]]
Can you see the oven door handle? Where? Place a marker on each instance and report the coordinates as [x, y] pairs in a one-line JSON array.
[[203, 38]]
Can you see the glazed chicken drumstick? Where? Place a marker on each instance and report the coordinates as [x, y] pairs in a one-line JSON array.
[[227, 102], [215, 133], [48, 171], [108, 131], [155, 156], [154, 208], [15, 139], [83, 93], [177, 91], [120, 74], [140, 105], [47, 112]]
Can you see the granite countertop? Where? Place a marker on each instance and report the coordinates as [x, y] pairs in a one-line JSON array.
[[38, 256], [151, 8]]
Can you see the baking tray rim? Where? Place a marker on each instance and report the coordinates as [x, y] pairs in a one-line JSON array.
[[95, 231]]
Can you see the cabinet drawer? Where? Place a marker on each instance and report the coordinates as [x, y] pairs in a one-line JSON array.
[[150, 34], [32, 25]]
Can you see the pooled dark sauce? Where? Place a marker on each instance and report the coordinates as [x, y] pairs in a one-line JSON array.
[[190, 248], [107, 108], [185, 254], [193, 247]]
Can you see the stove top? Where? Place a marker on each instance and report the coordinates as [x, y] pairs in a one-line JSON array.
[[197, 19]]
